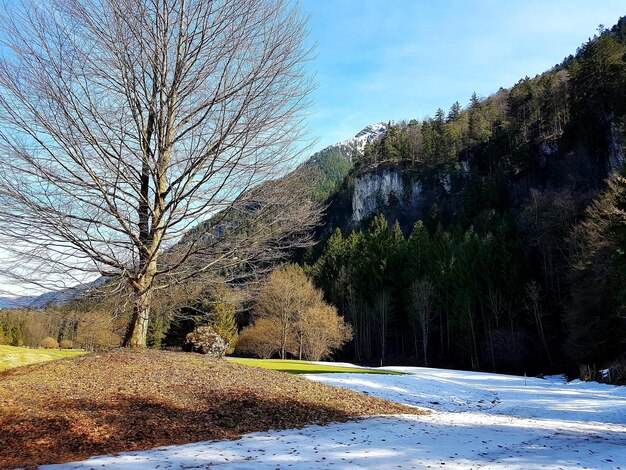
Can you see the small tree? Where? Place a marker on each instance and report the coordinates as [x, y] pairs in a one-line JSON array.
[[320, 331], [422, 293], [309, 327], [96, 331], [286, 294]]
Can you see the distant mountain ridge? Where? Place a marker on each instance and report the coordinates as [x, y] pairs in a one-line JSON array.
[[54, 298]]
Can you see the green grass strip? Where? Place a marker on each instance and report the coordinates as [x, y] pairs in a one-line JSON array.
[[12, 356], [305, 367]]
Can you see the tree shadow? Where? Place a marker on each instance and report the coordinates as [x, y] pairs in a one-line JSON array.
[[393, 441], [77, 429]]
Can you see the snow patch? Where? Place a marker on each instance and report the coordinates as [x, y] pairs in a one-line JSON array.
[[481, 420]]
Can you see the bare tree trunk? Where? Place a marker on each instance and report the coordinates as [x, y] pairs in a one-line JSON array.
[[137, 333], [474, 349], [283, 337], [138, 327], [421, 295], [534, 299]]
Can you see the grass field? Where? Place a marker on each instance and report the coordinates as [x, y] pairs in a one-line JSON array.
[[11, 356], [305, 367]]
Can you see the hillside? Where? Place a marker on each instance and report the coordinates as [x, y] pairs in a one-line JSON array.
[[508, 253], [101, 403], [334, 163]]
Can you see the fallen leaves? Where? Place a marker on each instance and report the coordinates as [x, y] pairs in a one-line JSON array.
[[125, 400]]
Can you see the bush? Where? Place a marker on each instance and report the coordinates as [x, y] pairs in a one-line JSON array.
[[49, 343], [319, 332], [66, 344], [206, 341], [97, 331], [262, 339]]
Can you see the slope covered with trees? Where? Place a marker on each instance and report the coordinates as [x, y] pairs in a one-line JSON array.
[[515, 260]]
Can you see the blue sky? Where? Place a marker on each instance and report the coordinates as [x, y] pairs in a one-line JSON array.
[[402, 59]]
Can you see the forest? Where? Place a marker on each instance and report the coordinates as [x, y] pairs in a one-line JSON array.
[[519, 266]]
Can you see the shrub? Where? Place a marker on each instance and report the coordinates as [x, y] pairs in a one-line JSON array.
[[97, 331], [49, 343], [262, 339], [319, 332], [206, 341], [614, 373], [66, 344]]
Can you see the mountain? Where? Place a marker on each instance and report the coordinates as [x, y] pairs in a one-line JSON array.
[[508, 251], [11, 302], [54, 298], [357, 144], [334, 163]]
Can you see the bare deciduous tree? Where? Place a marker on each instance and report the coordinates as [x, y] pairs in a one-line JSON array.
[[422, 296], [124, 123], [306, 326], [533, 304], [321, 331], [286, 294]]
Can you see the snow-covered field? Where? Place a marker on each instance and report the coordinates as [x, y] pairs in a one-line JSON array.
[[478, 421]]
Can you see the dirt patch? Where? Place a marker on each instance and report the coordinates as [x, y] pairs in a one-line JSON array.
[[71, 409]]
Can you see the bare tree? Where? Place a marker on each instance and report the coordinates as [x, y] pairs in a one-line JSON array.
[[303, 324], [422, 293], [286, 295], [533, 304], [123, 123], [320, 331]]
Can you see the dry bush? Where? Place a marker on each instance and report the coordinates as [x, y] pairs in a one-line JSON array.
[[321, 331], [97, 331], [306, 326], [49, 343], [66, 344], [262, 339], [286, 294]]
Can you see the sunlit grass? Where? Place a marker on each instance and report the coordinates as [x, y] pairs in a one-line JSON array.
[[12, 356], [305, 367]]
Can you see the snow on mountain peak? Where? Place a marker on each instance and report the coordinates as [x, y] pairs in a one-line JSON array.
[[365, 136]]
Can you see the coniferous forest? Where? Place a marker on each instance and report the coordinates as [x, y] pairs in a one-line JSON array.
[[514, 257]]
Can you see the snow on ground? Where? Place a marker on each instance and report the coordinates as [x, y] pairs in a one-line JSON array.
[[478, 421]]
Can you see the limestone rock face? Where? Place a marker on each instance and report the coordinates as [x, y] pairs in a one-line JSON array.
[[206, 341], [373, 191]]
